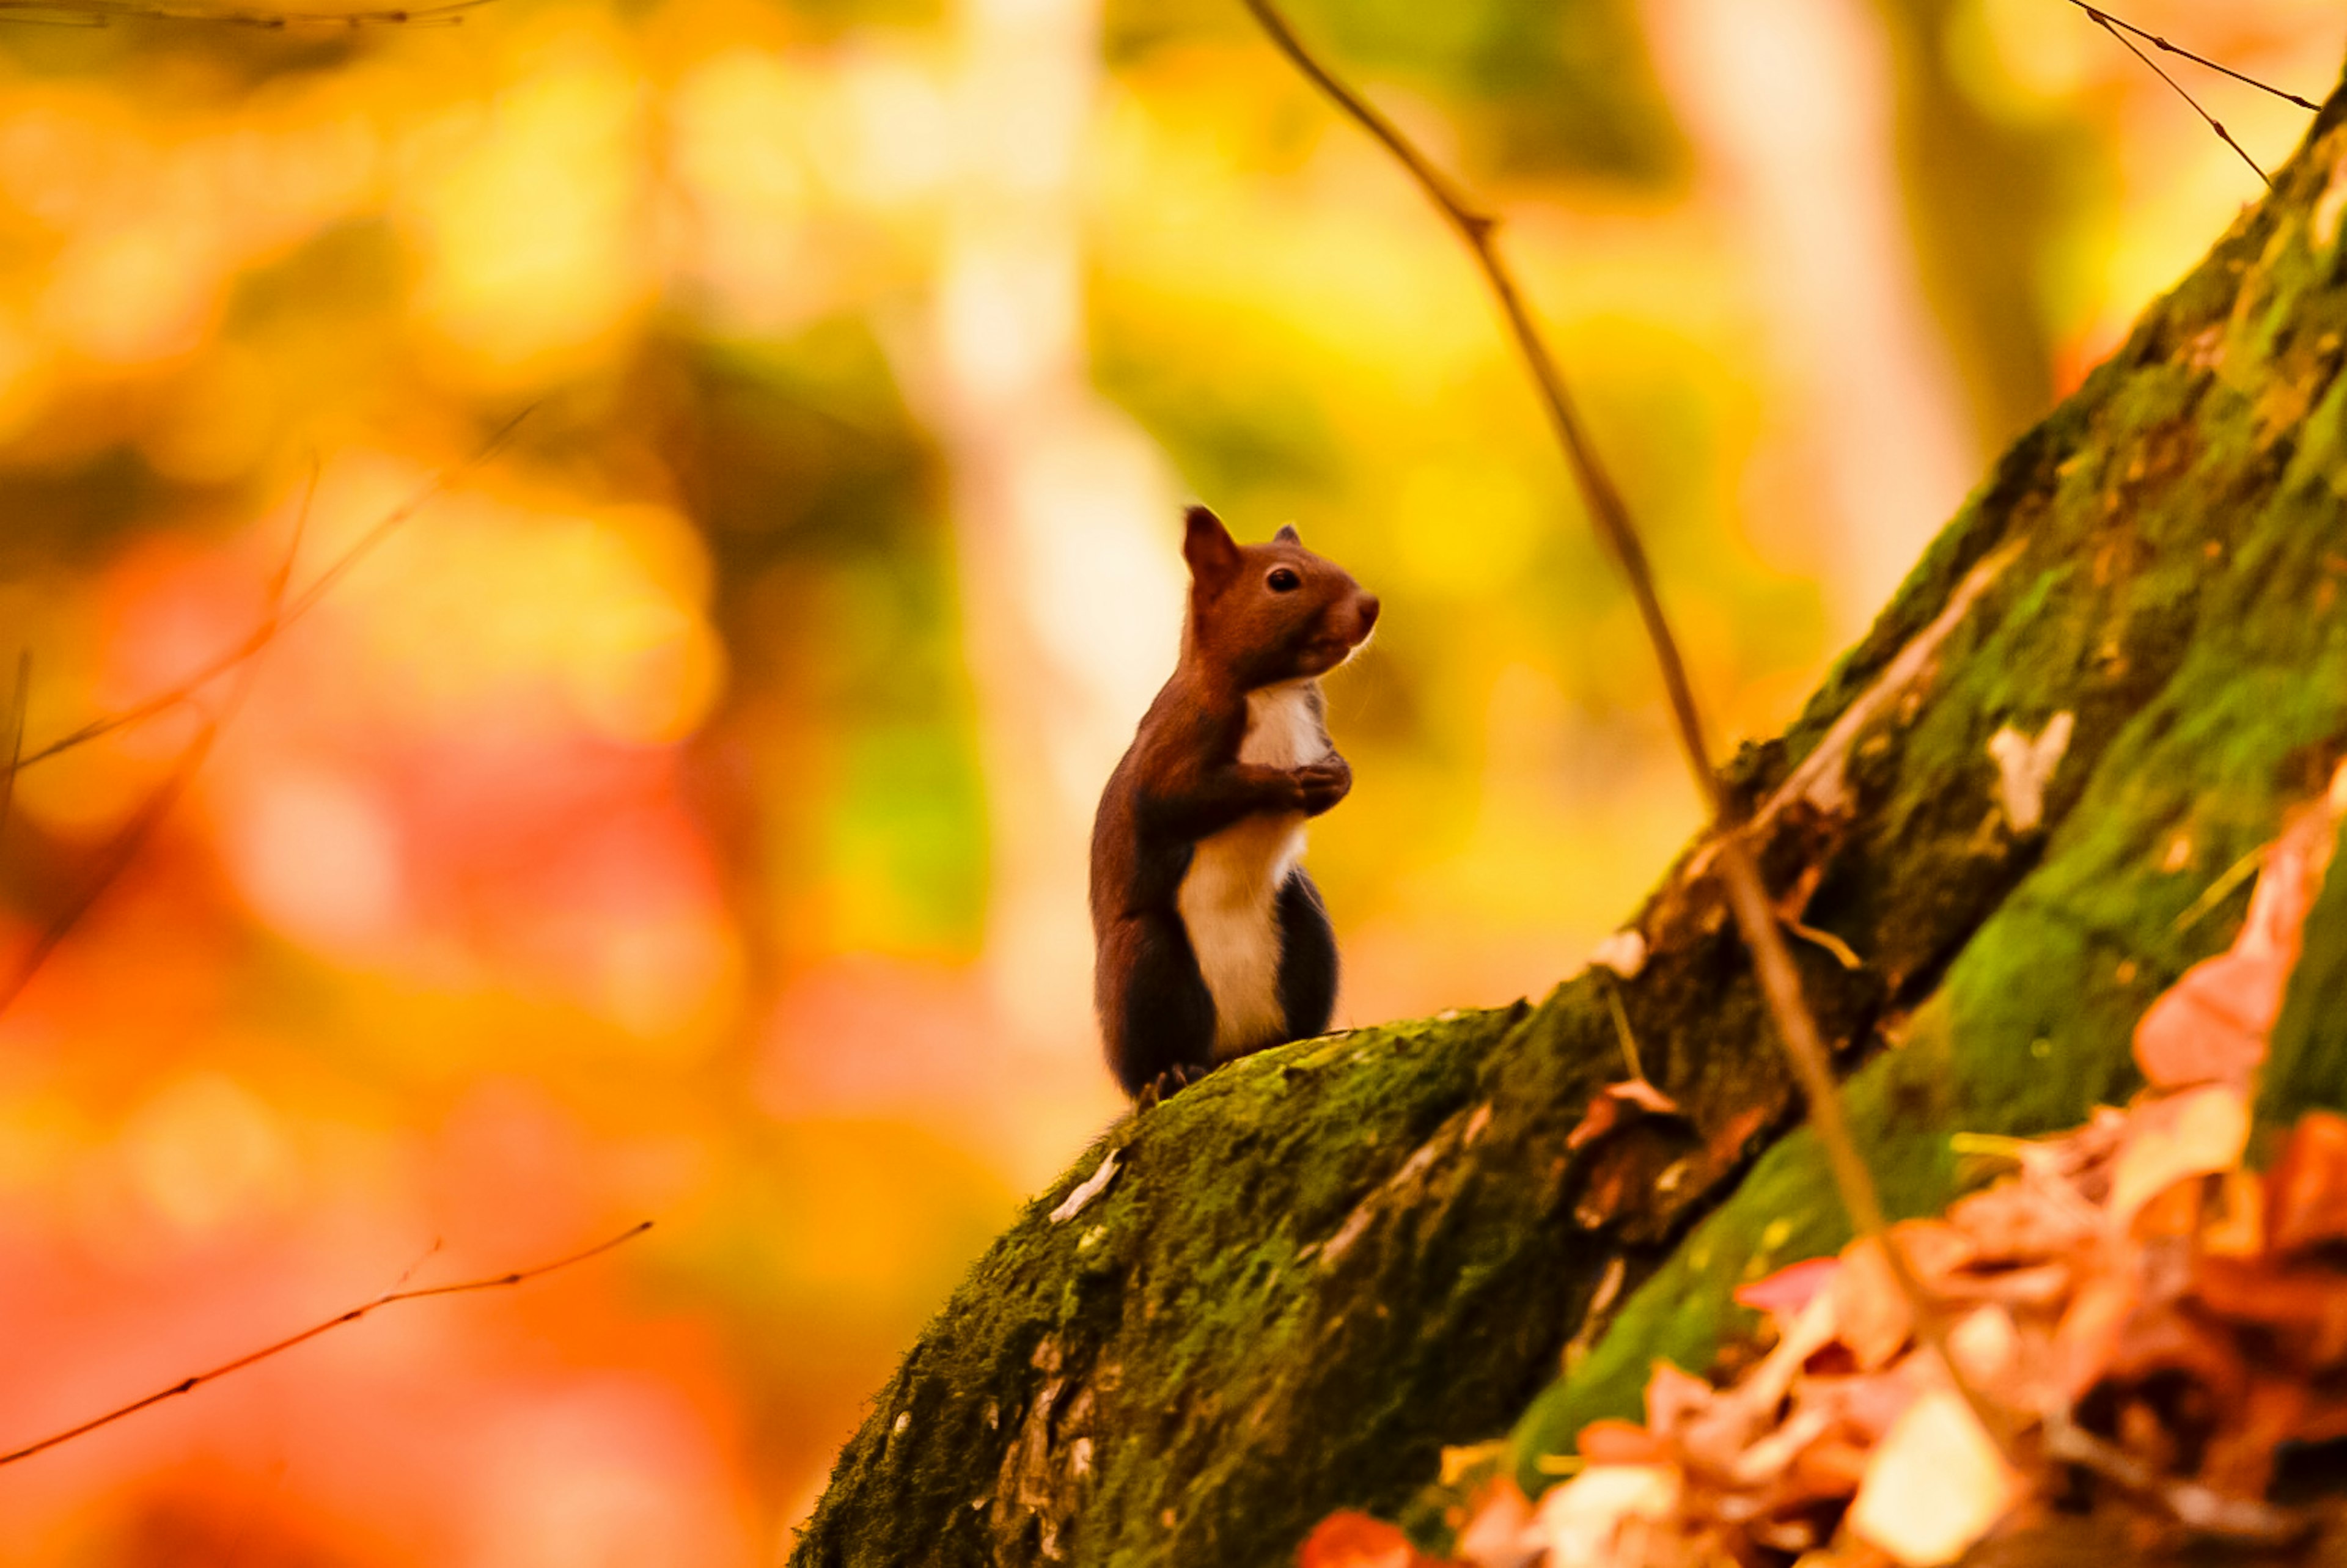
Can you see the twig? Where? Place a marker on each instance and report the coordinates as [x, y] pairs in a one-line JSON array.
[[1756, 917], [1630, 1058], [120, 851], [2216, 892], [2162, 44], [2110, 25], [132, 836], [15, 731], [197, 1380], [2218, 1516], [300, 605], [104, 12], [1843, 953]]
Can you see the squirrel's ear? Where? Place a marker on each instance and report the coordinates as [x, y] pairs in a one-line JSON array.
[[1207, 546], [1288, 535]]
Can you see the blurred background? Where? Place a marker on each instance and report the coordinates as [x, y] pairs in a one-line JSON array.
[[682, 814]]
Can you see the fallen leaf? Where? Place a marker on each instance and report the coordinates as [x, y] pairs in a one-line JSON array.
[[1612, 1105], [2306, 1309], [2088, 1330], [2236, 1224], [2240, 1458], [1674, 1396], [1833, 1467], [1871, 1312], [1580, 1522], [1788, 1289], [1497, 1531], [2195, 1133], [1774, 1454], [1351, 1540], [1713, 1433], [1935, 1486], [2306, 1191], [1810, 1332], [2211, 1025], [2166, 1340], [1985, 1346], [1622, 1442], [2024, 1220]]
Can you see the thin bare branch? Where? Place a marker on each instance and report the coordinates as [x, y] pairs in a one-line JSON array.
[[105, 12], [132, 836], [2111, 25], [197, 1380], [300, 605], [1756, 917], [119, 852], [2162, 44], [16, 705]]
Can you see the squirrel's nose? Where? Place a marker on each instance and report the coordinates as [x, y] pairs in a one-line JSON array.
[[1368, 606]]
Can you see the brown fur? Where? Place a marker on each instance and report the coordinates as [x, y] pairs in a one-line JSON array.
[[1185, 783]]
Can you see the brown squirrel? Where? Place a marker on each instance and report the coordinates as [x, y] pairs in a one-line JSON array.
[[1210, 941]]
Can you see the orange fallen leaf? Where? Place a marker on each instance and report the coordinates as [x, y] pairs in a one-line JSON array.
[[2022, 1220], [1614, 1104], [1351, 1540], [1790, 1287], [2089, 1330], [1621, 1442], [2236, 1226], [2306, 1192], [1871, 1312], [2305, 1307], [2210, 1027], [1496, 1535], [2196, 1134], [1674, 1396]]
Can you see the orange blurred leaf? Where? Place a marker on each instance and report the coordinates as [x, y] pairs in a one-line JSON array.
[[2196, 1134], [1496, 1535], [1351, 1540], [1790, 1287], [1621, 1442], [2211, 1025], [2306, 1192]]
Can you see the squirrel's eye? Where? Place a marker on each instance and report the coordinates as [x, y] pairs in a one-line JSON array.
[[1283, 579]]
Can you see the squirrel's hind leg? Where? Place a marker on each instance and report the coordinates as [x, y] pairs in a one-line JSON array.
[[1161, 1021], [1308, 957]]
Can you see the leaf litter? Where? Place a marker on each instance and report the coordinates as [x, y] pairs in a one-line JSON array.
[[2151, 1325]]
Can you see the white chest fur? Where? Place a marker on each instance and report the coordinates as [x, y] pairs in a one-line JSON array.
[[1229, 898]]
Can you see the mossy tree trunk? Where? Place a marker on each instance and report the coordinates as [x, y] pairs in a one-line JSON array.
[[2100, 689]]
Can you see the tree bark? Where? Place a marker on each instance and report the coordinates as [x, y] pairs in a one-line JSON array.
[[2015, 804]]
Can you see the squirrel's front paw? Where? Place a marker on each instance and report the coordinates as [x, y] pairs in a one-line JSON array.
[[1322, 785]]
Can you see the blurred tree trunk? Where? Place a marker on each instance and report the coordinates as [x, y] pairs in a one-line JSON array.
[[2013, 805]]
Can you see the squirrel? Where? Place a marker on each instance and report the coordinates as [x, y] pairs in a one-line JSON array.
[[1210, 941]]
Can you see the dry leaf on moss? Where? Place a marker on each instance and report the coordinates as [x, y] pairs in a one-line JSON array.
[[1615, 1104], [1935, 1486], [2196, 1134]]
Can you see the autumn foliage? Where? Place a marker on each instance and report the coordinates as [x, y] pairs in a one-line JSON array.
[[2134, 1321]]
